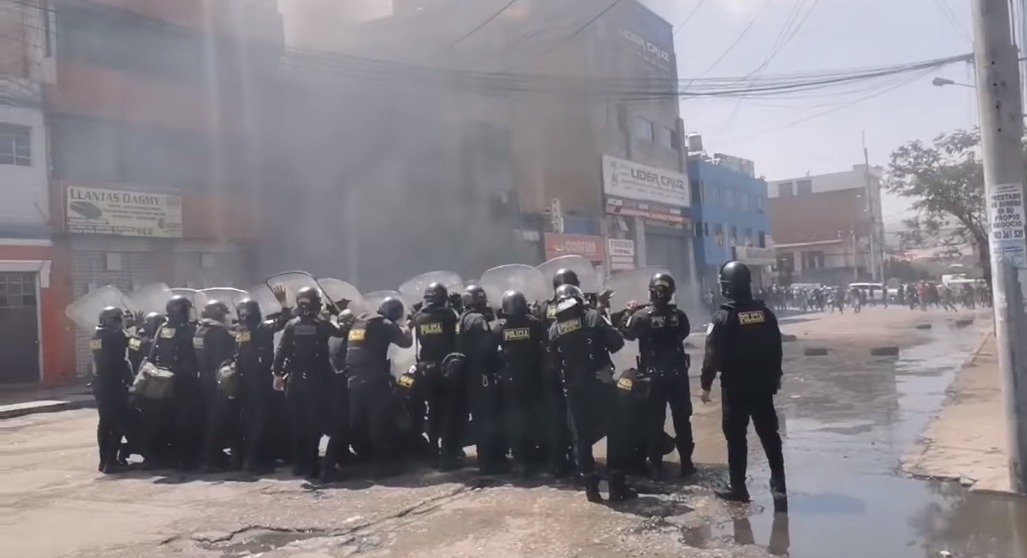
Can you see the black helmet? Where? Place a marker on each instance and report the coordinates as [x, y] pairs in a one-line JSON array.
[[661, 288], [436, 295], [248, 311], [308, 301], [111, 317], [735, 281], [568, 291], [215, 310], [391, 308], [514, 304], [151, 322], [475, 297], [565, 276], [178, 309]]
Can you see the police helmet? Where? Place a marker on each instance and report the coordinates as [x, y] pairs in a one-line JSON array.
[[391, 308], [475, 297], [436, 295], [178, 309], [215, 310], [151, 322], [735, 281], [248, 311], [308, 301], [514, 304], [568, 291], [661, 288], [565, 276], [111, 317]]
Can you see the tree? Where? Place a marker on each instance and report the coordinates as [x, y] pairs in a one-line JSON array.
[[945, 181]]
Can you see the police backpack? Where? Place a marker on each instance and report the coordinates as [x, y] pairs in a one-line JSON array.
[[153, 382]]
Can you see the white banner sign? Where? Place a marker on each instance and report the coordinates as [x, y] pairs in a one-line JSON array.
[[636, 181], [753, 255], [621, 254], [1005, 211], [121, 213]]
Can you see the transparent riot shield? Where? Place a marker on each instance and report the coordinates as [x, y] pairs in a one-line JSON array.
[[265, 299], [293, 281], [578, 264], [229, 295], [413, 289], [85, 311], [518, 277], [401, 359], [150, 298], [339, 290]]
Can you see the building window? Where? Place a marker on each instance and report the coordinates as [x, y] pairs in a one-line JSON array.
[[675, 140], [812, 260], [643, 129], [734, 235], [664, 137], [804, 187], [15, 145], [718, 234], [762, 239], [706, 229], [786, 189], [760, 203], [748, 237], [729, 199]]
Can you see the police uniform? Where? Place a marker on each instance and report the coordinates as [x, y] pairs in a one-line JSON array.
[[554, 415], [254, 357], [173, 350], [215, 346], [522, 341], [111, 378], [370, 383], [661, 331], [435, 327], [478, 343], [581, 341], [744, 345]]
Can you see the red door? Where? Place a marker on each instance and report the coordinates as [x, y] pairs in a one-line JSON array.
[[19, 329]]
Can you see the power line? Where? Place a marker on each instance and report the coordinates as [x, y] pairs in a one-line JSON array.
[[738, 39], [952, 20], [570, 37], [688, 17], [483, 24]]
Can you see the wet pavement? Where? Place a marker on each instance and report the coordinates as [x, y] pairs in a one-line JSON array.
[[846, 430]]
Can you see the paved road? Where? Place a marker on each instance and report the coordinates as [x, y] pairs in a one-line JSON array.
[[848, 418]]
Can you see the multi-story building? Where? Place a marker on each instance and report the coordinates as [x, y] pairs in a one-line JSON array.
[[732, 219], [148, 130], [828, 228], [33, 343]]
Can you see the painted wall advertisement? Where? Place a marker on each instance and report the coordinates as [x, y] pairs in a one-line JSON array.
[[621, 253], [122, 213], [1005, 209], [588, 246], [635, 181]]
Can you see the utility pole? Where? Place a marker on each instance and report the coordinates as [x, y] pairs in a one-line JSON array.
[[998, 90]]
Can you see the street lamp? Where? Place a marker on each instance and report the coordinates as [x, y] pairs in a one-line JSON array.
[[942, 82]]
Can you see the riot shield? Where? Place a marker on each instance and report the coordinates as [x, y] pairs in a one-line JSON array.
[[85, 311], [375, 299], [265, 299], [518, 277], [150, 298], [293, 281], [229, 295], [413, 289], [337, 290], [629, 286], [193, 295], [578, 264], [401, 359]]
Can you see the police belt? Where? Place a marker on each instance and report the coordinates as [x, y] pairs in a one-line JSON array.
[[430, 370]]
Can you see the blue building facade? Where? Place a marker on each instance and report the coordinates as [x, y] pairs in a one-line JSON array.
[[731, 217]]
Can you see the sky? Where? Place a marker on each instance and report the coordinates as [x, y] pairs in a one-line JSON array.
[[787, 139]]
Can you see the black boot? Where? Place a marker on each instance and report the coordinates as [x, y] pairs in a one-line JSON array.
[[779, 493], [654, 471], [733, 494], [688, 468], [592, 489], [619, 489]]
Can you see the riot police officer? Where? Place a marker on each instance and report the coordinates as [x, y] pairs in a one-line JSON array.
[[660, 329], [302, 364], [111, 378], [145, 413], [370, 379], [555, 426], [477, 342], [173, 350], [522, 341], [435, 327], [215, 347], [254, 357], [581, 340], [744, 345], [140, 343]]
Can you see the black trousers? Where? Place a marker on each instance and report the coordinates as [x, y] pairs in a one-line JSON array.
[[254, 406], [444, 403], [522, 413], [483, 399], [112, 406], [555, 425], [371, 407], [739, 406], [669, 389], [338, 415], [306, 420], [586, 395], [187, 418]]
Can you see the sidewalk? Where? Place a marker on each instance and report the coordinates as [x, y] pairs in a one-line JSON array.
[[967, 440], [16, 401]]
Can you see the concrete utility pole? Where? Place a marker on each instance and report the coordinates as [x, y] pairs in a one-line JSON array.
[[998, 90]]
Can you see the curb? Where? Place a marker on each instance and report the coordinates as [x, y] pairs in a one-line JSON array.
[[40, 407]]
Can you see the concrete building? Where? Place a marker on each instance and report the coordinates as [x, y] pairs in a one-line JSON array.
[[33, 342], [148, 135], [828, 228], [732, 218]]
